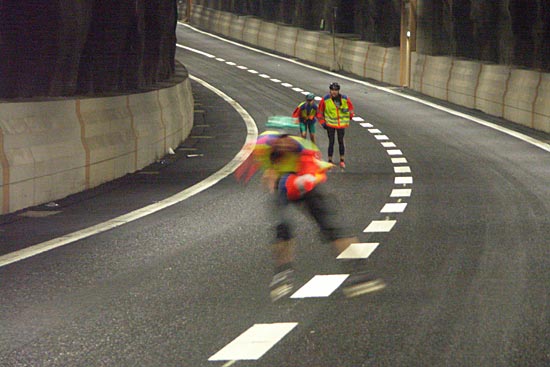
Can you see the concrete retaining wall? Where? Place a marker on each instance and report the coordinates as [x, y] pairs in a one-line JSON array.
[[522, 96], [541, 106], [51, 149]]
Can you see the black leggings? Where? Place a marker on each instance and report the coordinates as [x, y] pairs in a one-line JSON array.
[[341, 147], [320, 205]]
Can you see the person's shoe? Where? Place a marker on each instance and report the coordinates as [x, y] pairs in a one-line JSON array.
[[281, 284], [342, 164], [358, 284]]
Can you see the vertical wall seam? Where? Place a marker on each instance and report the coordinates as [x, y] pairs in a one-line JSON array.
[[244, 27], [449, 79], [422, 74], [275, 44], [296, 43], [503, 110], [534, 104], [84, 144], [5, 176], [383, 64], [134, 130], [365, 62], [162, 122], [477, 85]]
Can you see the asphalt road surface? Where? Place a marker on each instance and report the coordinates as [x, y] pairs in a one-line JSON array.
[[452, 214]]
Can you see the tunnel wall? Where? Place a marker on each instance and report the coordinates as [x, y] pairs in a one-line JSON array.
[[53, 148], [519, 95]]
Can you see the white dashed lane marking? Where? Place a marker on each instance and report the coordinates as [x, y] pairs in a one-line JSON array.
[[380, 226], [399, 160], [381, 137], [395, 152], [320, 286], [394, 208], [388, 144], [358, 250], [254, 342], [402, 169], [406, 180], [400, 193]]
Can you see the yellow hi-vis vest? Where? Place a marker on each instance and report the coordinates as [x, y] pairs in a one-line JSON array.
[[336, 117]]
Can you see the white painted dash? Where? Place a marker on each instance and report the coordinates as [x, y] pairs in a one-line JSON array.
[[320, 286], [288, 85], [401, 193], [242, 67], [388, 144], [357, 118], [381, 137], [265, 76], [394, 208], [365, 124], [402, 169], [230, 63], [252, 71], [380, 226], [395, 152], [220, 59], [375, 131], [254, 342], [407, 180], [275, 80], [297, 89], [358, 250], [399, 160]]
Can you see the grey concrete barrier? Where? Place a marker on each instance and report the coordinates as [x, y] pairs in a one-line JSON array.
[[463, 82], [108, 137], [520, 96], [52, 149], [43, 154], [223, 23], [374, 67], [252, 30], [492, 87], [236, 28], [541, 106], [354, 54], [287, 40], [306, 47], [391, 66], [328, 51], [435, 78], [267, 35], [417, 69]]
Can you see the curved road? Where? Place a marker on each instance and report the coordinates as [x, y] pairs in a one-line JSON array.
[[454, 215]]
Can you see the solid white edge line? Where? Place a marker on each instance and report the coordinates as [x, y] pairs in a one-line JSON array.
[[515, 134], [246, 150]]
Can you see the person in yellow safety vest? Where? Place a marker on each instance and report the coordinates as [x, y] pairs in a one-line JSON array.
[[306, 112], [334, 114]]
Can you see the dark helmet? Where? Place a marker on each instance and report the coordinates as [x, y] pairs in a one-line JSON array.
[[334, 86], [310, 96]]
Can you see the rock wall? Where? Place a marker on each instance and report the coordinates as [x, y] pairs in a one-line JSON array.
[[85, 47]]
